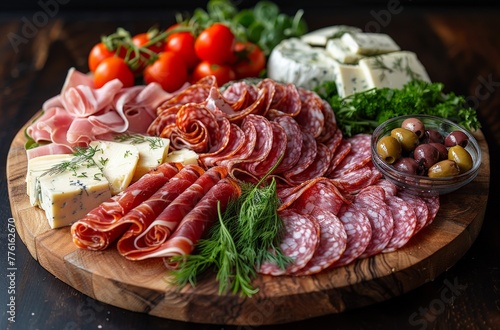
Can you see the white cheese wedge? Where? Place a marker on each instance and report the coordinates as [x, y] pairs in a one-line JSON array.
[[36, 167], [184, 156], [68, 196], [320, 37], [152, 151], [294, 61], [351, 79], [339, 51], [118, 161], [393, 70], [369, 43]]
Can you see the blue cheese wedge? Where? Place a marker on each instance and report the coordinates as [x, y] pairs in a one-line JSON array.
[[393, 70], [321, 36], [351, 79], [118, 162], [69, 195], [36, 167], [369, 43], [184, 156], [153, 151], [339, 51], [294, 61]]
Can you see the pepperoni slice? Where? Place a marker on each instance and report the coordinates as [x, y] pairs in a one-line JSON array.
[[380, 217], [300, 241], [359, 233], [332, 243], [405, 221]]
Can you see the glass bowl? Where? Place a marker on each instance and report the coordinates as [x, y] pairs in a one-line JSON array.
[[419, 184]]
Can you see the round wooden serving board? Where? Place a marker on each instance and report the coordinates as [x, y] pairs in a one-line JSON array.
[[143, 287]]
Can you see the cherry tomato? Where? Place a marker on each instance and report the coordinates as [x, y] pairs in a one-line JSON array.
[[250, 60], [215, 44], [113, 68], [169, 70], [222, 72], [98, 53], [140, 40], [183, 44]]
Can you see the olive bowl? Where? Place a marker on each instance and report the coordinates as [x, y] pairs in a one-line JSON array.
[[422, 184]]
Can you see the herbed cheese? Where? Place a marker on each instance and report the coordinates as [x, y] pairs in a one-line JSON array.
[[369, 43], [320, 37]]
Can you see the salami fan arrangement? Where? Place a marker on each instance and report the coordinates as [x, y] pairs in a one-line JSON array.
[[334, 204]]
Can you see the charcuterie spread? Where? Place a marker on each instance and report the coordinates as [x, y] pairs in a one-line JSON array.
[[164, 173]]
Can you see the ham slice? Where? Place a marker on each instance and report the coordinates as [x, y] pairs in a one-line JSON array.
[[101, 226]]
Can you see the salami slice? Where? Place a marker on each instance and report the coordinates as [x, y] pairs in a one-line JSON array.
[[300, 241], [240, 95], [341, 151], [263, 144], [359, 232], [196, 93], [419, 206], [166, 118], [97, 229], [321, 194], [405, 221], [332, 243], [433, 205], [308, 152], [293, 145], [390, 188], [330, 125], [380, 217], [286, 101], [311, 117], [359, 155], [317, 168], [277, 150], [352, 182], [235, 143]]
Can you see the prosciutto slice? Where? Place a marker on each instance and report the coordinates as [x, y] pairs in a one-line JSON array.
[[100, 227], [194, 224]]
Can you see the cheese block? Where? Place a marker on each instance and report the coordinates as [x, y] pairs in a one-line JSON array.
[[321, 36], [118, 162], [369, 43], [393, 70], [339, 51], [36, 167], [294, 61], [184, 156], [69, 195], [152, 151], [351, 79]]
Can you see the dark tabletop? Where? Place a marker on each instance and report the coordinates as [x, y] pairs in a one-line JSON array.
[[459, 46]]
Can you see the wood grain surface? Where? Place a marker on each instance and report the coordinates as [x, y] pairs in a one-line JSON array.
[[143, 286]]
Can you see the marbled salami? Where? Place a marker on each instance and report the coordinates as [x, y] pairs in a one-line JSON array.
[[419, 206], [359, 155], [308, 152], [311, 117], [405, 221], [294, 143]]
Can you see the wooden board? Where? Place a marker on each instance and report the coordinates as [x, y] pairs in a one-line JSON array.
[[142, 287]]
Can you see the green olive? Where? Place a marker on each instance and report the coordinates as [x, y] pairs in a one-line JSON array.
[[407, 138], [443, 169], [460, 156], [389, 149]]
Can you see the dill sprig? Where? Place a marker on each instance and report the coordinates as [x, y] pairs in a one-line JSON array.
[[154, 141], [82, 157]]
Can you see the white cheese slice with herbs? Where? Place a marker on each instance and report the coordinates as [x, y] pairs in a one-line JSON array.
[[339, 51], [393, 70], [351, 79], [294, 61], [69, 195], [118, 162], [153, 151], [320, 37], [184, 156], [36, 167], [369, 43]]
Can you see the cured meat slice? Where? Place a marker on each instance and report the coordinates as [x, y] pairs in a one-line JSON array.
[[390, 188], [96, 230], [330, 125], [286, 101], [317, 168], [318, 193], [263, 143], [236, 141], [359, 155], [196, 93], [334, 142], [332, 243], [240, 95], [168, 220], [300, 241], [354, 181], [359, 232], [166, 118], [250, 139], [405, 221], [277, 150], [258, 107], [308, 153], [311, 117], [433, 205], [342, 150], [194, 224], [145, 213], [293, 145], [380, 217], [419, 206]]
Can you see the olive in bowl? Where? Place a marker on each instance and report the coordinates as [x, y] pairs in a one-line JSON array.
[[444, 158]]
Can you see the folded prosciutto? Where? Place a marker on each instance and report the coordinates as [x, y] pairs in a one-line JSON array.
[[102, 226]]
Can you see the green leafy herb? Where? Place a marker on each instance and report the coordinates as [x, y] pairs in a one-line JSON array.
[[247, 234], [82, 157], [154, 142], [363, 112]]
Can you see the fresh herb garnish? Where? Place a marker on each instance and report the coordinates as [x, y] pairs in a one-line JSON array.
[[363, 112], [82, 157], [154, 142]]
